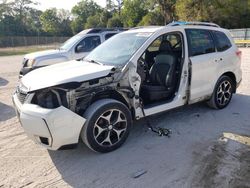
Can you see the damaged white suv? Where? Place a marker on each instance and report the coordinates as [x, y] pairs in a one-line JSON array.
[[137, 73]]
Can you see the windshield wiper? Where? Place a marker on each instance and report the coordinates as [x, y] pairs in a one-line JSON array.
[[93, 61]]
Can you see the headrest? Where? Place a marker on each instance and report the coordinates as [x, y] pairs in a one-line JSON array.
[[165, 46]]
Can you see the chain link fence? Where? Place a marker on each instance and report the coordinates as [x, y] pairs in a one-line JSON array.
[[241, 34], [241, 37], [16, 41]]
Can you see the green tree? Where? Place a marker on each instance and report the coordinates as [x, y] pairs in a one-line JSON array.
[[8, 26], [165, 7], [81, 12], [152, 18], [104, 16], [115, 21], [110, 5], [98, 20], [198, 10], [17, 13], [65, 22], [33, 24], [133, 11], [119, 5], [229, 14], [4, 8], [50, 21], [114, 6], [94, 21], [21, 9]]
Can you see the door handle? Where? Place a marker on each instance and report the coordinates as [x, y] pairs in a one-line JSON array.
[[216, 60]]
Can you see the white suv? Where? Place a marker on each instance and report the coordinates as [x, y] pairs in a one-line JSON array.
[[134, 74], [75, 48]]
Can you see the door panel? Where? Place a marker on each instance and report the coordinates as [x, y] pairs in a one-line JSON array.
[[203, 75], [203, 59]]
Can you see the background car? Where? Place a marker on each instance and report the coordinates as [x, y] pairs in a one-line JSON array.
[[75, 48]]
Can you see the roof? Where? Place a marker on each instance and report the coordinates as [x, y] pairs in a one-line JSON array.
[[146, 29], [100, 30], [152, 29], [180, 23]]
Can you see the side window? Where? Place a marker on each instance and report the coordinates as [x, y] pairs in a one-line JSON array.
[[174, 40], [222, 41], [155, 46], [107, 36], [199, 42], [88, 44]]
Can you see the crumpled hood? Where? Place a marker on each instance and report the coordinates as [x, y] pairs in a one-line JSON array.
[[72, 71], [44, 54]]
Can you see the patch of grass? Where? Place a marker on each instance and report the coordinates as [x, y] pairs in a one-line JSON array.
[[23, 50]]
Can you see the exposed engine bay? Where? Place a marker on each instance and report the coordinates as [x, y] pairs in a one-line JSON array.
[[78, 96]]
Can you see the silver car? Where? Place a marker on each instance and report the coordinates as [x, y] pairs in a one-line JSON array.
[[75, 48]]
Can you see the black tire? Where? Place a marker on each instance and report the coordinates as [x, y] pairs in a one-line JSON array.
[[220, 99], [98, 128]]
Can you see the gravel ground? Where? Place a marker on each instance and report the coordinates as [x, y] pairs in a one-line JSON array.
[[196, 155]]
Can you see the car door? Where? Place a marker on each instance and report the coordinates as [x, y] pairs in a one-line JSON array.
[[203, 63], [86, 45]]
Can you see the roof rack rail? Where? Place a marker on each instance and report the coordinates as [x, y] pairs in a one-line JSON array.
[[100, 30], [178, 23], [141, 27]]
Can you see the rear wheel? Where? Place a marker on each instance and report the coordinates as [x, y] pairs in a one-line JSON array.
[[222, 94], [107, 125]]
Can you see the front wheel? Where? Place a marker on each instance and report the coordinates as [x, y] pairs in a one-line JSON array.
[[107, 125], [222, 93]]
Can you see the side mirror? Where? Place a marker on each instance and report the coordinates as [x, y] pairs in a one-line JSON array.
[[80, 48]]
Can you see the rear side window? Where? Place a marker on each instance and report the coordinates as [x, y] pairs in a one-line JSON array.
[[107, 36], [199, 42], [222, 41]]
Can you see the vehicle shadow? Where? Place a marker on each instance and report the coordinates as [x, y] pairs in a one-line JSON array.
[[160, 157], [3, 82], [6, 112]]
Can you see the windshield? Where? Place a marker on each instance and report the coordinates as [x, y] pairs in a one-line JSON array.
[[118, 49], [70, 42]]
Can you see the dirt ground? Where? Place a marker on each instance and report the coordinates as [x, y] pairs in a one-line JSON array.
[[207, 148]]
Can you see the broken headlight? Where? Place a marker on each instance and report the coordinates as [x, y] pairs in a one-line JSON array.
[[50, 98]]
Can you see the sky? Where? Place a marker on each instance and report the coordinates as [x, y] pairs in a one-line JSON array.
[[65, 4]]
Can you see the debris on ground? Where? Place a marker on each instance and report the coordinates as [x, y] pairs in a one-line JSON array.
[[139, 173]]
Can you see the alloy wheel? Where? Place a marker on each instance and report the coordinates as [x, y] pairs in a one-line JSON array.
[[109, 127], [224, 93]]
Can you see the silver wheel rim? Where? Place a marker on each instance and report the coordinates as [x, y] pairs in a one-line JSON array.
[[110, 127], [224, 93]]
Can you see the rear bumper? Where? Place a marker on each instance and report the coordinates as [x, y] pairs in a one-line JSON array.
[[51, 128]]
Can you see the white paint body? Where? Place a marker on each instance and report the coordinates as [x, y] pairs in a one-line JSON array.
[[72, 71], [64, 126], [39, 122]]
